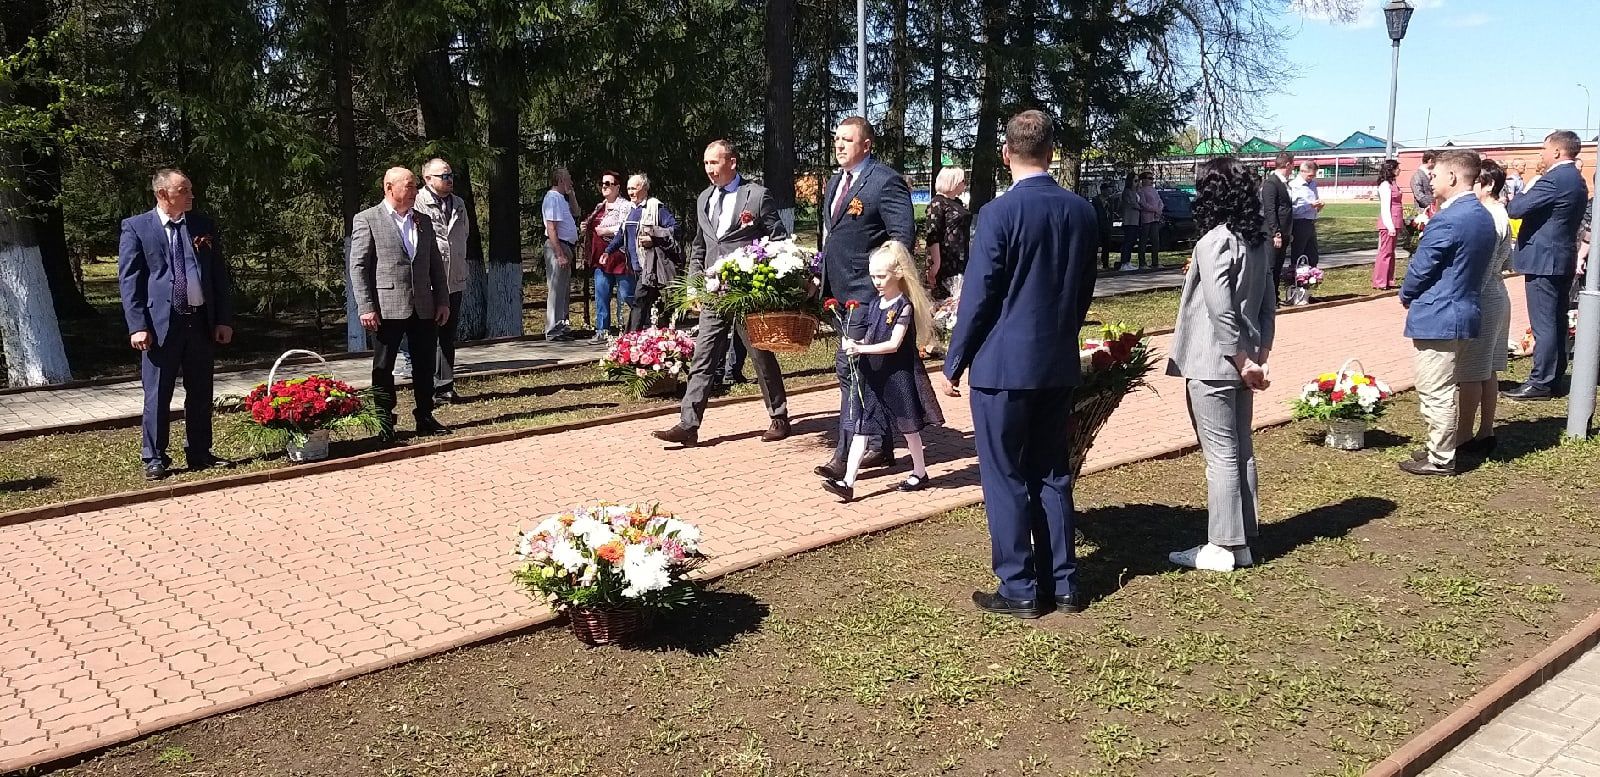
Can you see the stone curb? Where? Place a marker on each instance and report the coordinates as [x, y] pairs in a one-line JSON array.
[[1428, 747]]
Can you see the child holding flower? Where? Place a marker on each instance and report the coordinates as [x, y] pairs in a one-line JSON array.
[[892, 389]]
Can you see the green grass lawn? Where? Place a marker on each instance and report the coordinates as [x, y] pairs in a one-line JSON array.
[[1382, 603]]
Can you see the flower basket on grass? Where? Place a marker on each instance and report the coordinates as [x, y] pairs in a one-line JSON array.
[[769, 285], [604, 566], [1301, 279], [297, 414], [1113, 366], [1347, 400], [650, 362]]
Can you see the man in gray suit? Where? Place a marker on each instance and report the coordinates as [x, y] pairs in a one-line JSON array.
[[398, 280], [732, 213]]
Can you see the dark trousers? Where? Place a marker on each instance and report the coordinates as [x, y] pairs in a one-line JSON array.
[[1147, 236], [1548, 297], [849, 407], [1105, 246], [1305, 241], [446, 370], [1027, 488], [645, 299], [187, 351], [424, 335], [1280, 257]]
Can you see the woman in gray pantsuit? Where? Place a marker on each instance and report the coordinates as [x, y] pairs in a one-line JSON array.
[[1483, 357], [1220, 348]]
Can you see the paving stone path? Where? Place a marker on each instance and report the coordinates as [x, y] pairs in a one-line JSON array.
[[1552, 732], [51, 410], [121, 622]]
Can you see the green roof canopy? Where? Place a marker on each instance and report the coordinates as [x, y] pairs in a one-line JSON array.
[[1215, 146], [1259, 145], [1307, 143], [1361, 140]]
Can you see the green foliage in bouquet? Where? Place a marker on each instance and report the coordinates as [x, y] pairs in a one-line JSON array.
[[767, 276]]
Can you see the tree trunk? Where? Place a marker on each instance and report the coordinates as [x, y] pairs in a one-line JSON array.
[[986, 149], [447, 116], [899, 64], [504, 97], [28, 327], [344, 120], [778, 154], [936, 139]]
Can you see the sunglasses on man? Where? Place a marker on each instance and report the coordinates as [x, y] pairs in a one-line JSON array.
[[444, 176]]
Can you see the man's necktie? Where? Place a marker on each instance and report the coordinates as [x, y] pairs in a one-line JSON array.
[[180, 267], [716, 212], [839, 199]]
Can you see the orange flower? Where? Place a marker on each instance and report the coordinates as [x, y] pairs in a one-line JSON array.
[[611, 552], [855, 207]]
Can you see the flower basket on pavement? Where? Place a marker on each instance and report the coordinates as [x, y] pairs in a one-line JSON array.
[[650, 362], [606, 566], [1113, 366], [1347, 401], [769, 285], [297, 414]]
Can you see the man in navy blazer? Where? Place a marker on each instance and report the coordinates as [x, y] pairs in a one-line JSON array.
[[177, 300], [1441, 294], [1547, 255], [1029, 280], [865, 205]]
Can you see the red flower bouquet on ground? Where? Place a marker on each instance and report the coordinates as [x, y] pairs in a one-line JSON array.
[[651, 361], [298, 413]]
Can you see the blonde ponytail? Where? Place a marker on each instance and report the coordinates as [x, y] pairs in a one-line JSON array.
[[905, 270]]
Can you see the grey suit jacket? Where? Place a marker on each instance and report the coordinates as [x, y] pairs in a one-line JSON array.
[[451, 234], [1228, 305], [752, 198], [386, 281]]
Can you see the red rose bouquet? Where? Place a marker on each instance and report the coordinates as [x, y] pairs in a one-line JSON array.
[[1116, 361], [640, 359], [292, 409]]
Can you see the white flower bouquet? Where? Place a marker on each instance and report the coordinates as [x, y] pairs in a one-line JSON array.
[[609, 557]]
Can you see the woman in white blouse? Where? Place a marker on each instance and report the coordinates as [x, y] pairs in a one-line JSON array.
[[1390, 217]]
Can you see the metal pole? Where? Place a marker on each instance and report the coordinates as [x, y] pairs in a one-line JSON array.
[[1586, 351], [1394, 94], [861, 58], [1586, 102]]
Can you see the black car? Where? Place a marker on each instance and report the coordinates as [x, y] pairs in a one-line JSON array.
[[1177, 220]]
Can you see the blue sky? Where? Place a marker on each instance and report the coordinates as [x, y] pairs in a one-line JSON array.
[[1480, 65]]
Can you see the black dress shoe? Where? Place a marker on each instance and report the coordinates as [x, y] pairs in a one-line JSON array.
[[681, 435], [1527, 391], [207, 461], [1000, 605], [876, 460], [833, 470], [155, 470], [838, 488], [431, 425], [912, 483], [1427, 468], [1069, 603], [1478, 446]]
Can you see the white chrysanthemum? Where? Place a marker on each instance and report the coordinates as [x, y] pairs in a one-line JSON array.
[[1367, 394], [551, 525], [746, 261], [644, 569], [712, 285], [1314, 401], [568, 556], [525, 545], [593, 533], [1309, 391], [788, 263], [1383, 387], [686, 534]]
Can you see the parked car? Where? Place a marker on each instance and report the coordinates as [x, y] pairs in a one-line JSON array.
[[1177, 220]]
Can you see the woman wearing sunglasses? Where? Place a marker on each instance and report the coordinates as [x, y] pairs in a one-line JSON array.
[[611, 275]]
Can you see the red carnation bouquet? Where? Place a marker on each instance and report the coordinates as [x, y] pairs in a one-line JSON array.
[[294, 408], [1118, 360]]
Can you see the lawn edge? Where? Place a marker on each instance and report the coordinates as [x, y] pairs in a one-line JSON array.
[[1425, 749]]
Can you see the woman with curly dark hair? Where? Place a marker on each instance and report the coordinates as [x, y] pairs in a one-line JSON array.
[[1390, 218], [1220, 348]]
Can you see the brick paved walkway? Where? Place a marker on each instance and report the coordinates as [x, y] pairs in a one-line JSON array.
[[43, 411], [1553, 732], [121, 622]]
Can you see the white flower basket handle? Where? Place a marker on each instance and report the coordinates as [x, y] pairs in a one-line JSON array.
[[1344, 370], [272, 374]]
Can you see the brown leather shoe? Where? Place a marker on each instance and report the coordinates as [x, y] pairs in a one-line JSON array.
[[777, 431], [681, 435]]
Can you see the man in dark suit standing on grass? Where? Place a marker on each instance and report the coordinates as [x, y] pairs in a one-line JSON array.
[[866, 204], [1026, 291], [1547, 255], [177, 298], [1277, 212]]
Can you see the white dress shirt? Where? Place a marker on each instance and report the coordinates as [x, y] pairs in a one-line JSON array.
[[728, 196], [197, 295], [407, 226]]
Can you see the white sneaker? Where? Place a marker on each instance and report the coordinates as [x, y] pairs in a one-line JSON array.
[[1126, 267], [1211, 558]]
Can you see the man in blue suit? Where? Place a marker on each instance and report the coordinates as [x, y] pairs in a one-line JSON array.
[[177, 300], [1547, 255], [1029, 280], [1441, 296], [865, 205]]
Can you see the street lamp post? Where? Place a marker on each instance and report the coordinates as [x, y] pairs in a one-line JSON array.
[[1397, 15], [1586, 353], [1586, 101], [861, 58]]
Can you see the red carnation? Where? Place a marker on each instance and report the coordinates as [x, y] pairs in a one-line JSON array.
[[830, 304], [1326, 385], [852, 305], [1101, 360], [1337, 396]]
